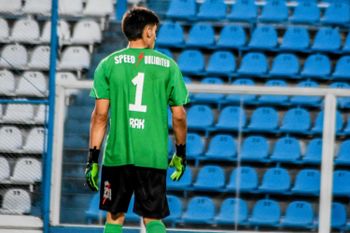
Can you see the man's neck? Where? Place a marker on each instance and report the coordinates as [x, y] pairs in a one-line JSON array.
[[137, 44]]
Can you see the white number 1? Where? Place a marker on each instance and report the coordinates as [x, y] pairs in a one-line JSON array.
[[138, 82]]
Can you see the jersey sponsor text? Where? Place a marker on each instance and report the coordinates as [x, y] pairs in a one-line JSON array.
[[137, 123]]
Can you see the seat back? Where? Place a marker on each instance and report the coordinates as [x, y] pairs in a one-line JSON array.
[[4, 169], [285, 64], [307, 181], [313, 100], [234, 210], [75, 57], [25, 30], [40, 58], [182, 9], [19, 113], [86, 31], [318, 127], [63, 31], [212, 9], [194, 145], [210, 176], [266, 210], [243, 10], [317, 65], [175, 207], [314, 150], [295, 38], [221, 62], [67, 7], [183, 183], [37, 7], [16, 201], [10, 6], [276, 179], [98, 7], [221, 146], [201, 34], [255, 147], [35, 140], [341, 185], [27, 170], [306, 12], [12, 139], [275, 11], [264, 118], [232, 117], [286, 149], [14, 56], [32, 83], [244, 179], [200, 116], [264, 36], [342, 67], [232, 36], [300, 213], [170, 33], [337, 13], [201, 207], [339, 216], [327, 39], [253, 63], [296, 119], [274, 99], [191, 61]]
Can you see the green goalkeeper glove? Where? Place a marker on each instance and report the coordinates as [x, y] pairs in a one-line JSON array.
[[91, 170], [178, 161]]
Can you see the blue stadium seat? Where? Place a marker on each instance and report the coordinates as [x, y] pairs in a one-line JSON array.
[[341, 184], [299, 214], [212, 10], [170, 34], [201, 35], [194, 146], [191, 61], [296, 120], [295, 38], [243, 10], [255, 148], [231, 118], [175, 207], [233, 98], [307, 182], [266, 213], [286, 65], [274, 99], [318, 127], [343, 155], [200, 117], [263, 37], [339, 216], [221, 147], [221, 62], [343, 102], [347, 127], [275, 180], [182, 9], [342, 68], [286, 149], [244, 178], [306, 12], [327, 39], [232, 211], [208, 97], [130, 215], [337, 13], [264, 119], [210, 178], [187, 80], [316, 66], [346, 46], [200, 210], [306, 100], [253, 64], [171, 146], [94, 213], [313, 152], [165, 52], [274, 11], [183, 184], [231, 36]]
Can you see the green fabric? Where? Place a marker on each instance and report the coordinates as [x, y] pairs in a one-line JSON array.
[[113, 228], [91, 175], [155, 227], [140, 84], [177, 163]]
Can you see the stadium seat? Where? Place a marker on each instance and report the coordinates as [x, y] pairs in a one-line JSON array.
[[265, 213], [263, 37], [231, 118], [4, 30], [318, 127], [86, 31], [200, 117], [182, 9], [306, 100], [232, 211], [316, 66], [94, 213], [274, 11], [212, 10], [171, 146], [255, 148], [306, 12], [337, 13], [208, 97], [264, 119], [32, 83], [12, 139], [40, 58], [19, 113], [175, 207], [296, 120], [299, 214], [14, 56], [210, 178], [194, 146], [295, 38], [41, 115], [10, 7], [170, 34], [327, 39], [343, 155], [338, 215], [27, 170], [199, 210], [25, 31], [191, 61], [341, 185], [183, 184], [233, 98], [253, 64], [347, 127], [8, 83], [307, 182], [286, 65], [63, 32], [221, 62], [274, 99], [275, 180], [70, 8], [35, 141], [342, 68], [343, 102], [221, 147], [65, 77], [74, 58], [231, 36], [100, 8], [243, 10], [201, 35], [313, 152], [166, 52], [74, 142], [346, 46], [4, 169], [16, 201], [286, 149], [243, 179], [41, 7]]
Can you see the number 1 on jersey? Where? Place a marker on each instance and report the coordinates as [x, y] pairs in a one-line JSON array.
[[138, 82]]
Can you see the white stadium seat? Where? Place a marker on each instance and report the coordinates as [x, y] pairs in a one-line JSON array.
[[16, 201], [37, 7], [65, 77], [27, 170], [35, 141], [19, 113], [4, 169], [75, 58], [40, 58], [63, 32], [11, 139], [8, 83], [10, 6], [14, 56], [70, 7], [32, 83], [1, 112], [86, 31], [4, 30], [98, 7], [25, 30], [41, 114]]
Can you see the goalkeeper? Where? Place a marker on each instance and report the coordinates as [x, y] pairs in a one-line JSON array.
[[133, 89]]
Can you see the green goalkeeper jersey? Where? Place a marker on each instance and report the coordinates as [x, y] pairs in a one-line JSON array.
[[140, 85]]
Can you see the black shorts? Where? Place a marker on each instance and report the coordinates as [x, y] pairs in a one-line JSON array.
[[148, 184]]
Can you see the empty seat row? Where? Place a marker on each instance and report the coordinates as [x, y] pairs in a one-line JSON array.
[[85, 31], [26, 170], [23, 114], [246, 10], [15, 56], [295, 38], [16, 201]]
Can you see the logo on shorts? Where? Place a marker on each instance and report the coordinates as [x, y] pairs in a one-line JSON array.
[[107, 192]]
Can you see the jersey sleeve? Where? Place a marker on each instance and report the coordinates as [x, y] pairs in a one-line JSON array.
[[178, 94], [100, 88]]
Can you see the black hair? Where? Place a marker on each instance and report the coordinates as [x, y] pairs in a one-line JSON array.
[[135, 20]]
